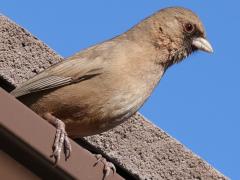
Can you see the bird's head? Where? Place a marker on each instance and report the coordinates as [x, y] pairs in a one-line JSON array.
[[179, 31]]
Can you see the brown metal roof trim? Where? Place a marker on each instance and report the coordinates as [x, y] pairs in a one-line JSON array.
[[138, 146], [10, 169], [27, 132]]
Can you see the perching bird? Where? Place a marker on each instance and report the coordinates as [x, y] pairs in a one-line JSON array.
[[100, 87]]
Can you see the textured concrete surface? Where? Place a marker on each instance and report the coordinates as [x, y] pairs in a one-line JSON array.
[[138, 146], [22, 54], [148, 152]]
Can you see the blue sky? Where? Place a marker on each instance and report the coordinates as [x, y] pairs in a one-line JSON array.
[[197, 101]]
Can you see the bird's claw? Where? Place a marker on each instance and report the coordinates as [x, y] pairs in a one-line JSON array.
[[108, 166], [61, 141]]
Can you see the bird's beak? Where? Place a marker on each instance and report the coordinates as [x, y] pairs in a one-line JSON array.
[[202, 44]]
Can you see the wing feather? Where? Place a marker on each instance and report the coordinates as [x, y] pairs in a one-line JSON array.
[[61, 74]]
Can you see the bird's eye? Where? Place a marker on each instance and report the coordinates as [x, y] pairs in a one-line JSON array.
[[189, 28]]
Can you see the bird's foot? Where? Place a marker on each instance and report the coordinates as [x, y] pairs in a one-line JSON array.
[[61, 141], [108, 166]]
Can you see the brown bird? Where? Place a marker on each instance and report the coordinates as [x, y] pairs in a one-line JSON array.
[[100, 87]]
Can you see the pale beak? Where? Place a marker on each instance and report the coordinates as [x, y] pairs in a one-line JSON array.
[[202, 44]]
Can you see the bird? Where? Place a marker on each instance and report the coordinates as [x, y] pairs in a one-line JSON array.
[[101, 86]]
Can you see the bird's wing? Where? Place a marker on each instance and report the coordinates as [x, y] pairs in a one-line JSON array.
[[67, 72]]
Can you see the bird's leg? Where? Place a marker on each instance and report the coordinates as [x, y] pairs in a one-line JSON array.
[[107, 165], [61, 140]]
